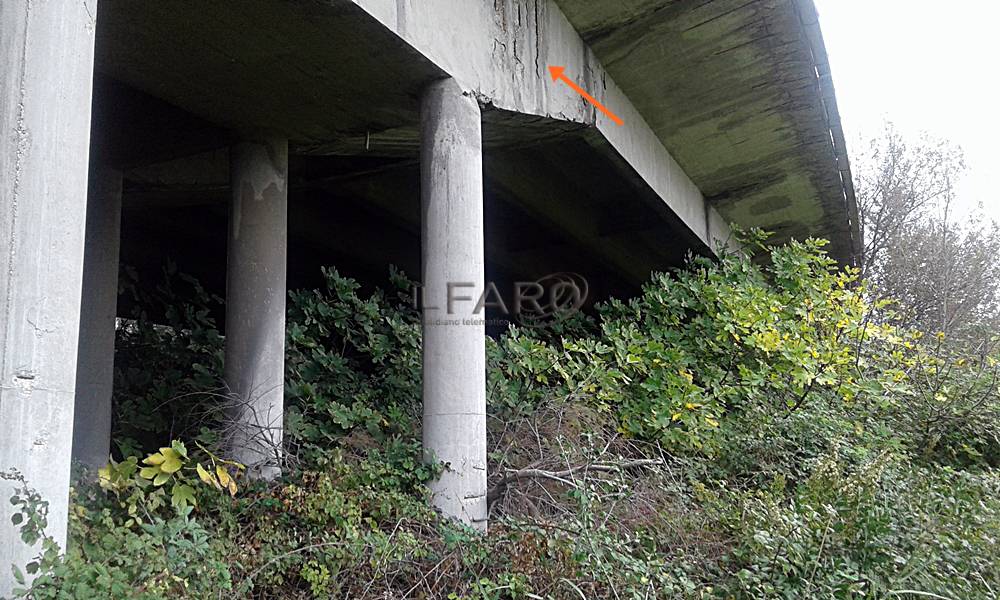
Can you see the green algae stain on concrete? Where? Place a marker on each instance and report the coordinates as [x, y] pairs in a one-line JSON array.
[[730, 89]]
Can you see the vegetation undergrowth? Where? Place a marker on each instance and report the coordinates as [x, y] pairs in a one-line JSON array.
[[741, 429]]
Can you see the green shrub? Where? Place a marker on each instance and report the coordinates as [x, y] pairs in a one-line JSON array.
[[168, 364], [715, 338], [741, 429], [880, 529], [352, 363]]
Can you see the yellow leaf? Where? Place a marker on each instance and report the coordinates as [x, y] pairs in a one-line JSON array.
[[712, 422], [232, 488], [223, 476], [205, 475], [171, 465], [154, 459], [675, 416]]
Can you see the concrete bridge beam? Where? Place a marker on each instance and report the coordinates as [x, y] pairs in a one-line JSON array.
[[255, 304], [454, 345]]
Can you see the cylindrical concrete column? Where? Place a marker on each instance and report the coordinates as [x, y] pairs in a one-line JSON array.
[[454, 337], [255, 304], [46, 73], [95, 367]]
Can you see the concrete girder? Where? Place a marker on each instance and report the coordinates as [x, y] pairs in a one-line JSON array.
[[501, 50], [360, 101]]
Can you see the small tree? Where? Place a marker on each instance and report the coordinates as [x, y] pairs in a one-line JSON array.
[[941, 266]]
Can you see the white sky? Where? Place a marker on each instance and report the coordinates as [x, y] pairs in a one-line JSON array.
[[926, 65]]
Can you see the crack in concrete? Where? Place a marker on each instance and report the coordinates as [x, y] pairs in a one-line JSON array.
[[39, 329]]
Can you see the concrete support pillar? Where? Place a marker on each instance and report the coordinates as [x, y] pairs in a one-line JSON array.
[[95, 367], [454, 338], [46, 73], [255, 303]]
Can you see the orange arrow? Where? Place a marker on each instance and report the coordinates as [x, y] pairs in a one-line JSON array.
[[557, 74]]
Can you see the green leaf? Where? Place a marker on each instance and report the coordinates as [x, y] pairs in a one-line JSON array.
[[179, 448], [182, 495]]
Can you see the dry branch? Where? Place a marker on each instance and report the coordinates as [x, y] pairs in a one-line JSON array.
[[514, 475]]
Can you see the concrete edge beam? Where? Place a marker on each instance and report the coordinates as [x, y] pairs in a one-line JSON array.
[[501, 51]]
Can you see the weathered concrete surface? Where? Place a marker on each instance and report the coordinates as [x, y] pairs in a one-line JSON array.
[[314, 71], [501, 51], [255, 303], [46, 69], [454, 351], [740, 93], [95, 370], [360, 101]]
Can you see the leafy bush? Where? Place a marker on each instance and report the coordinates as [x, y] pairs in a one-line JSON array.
[[716, 337], [352, 364], [168, 364], [950, 412], [741, 429], [880, 529]]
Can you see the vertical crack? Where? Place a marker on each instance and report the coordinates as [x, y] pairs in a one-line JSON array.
[[538, 40]]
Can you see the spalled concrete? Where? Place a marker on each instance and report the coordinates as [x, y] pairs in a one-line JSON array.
[[255, 304], [95, 371], [46, 69], [454, 337]]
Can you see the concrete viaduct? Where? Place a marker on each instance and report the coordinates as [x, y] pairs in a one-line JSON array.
[[252, 142]]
